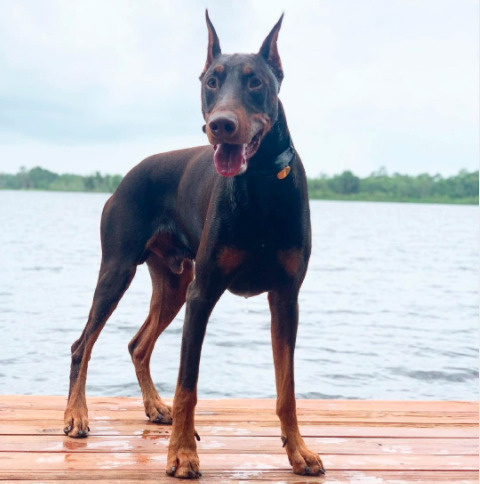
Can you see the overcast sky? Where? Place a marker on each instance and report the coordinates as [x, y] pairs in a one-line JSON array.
[[100, 85]]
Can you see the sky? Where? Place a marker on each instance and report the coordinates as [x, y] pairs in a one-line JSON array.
[[99, 85]]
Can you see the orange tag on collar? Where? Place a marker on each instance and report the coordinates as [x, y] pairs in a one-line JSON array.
[[283, 173]]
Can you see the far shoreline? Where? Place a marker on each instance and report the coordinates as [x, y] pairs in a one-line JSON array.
[[379, 186], [463, 201]]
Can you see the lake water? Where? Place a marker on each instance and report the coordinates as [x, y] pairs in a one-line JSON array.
[[389, 308]]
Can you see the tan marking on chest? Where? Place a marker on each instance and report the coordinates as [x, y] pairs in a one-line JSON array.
[[230, 258], [290, 260]]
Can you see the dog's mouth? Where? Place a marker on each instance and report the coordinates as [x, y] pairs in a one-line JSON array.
[[231, 160]]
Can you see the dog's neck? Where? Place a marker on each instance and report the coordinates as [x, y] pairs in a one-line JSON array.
[[276, 150]]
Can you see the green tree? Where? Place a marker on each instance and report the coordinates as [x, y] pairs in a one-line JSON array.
[[345, 184], [41, 178]]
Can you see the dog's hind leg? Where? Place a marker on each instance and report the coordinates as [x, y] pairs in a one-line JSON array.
[[168, 296], [113, 281], [124, 237]]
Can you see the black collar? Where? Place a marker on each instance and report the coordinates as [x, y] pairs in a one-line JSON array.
[[279, 168]]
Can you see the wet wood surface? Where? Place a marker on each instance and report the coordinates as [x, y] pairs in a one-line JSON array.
[[359, 441]]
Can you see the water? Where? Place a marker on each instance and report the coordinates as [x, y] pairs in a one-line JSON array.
[[389, 309]]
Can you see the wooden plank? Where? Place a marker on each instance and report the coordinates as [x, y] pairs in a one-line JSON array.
[[253, 476], [228, 444], [311, 417], [254, 429], [14, 463], [132, 403]]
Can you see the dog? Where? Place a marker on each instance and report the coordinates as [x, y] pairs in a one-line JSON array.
[[230, 215]]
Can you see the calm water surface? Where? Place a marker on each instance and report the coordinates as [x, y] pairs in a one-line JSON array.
[[389, 309]]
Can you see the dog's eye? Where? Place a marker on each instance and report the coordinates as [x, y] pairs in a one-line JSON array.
[[254, 83], [212, 83]]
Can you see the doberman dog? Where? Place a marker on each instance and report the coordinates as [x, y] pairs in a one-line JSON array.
[[231, 215]]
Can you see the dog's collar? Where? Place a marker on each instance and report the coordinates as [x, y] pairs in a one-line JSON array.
[[281, 166]]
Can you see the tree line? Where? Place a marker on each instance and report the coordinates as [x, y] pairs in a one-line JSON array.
[[40, 179], [378, 186]]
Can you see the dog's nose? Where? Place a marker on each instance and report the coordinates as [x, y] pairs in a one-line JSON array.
[[223, 125]]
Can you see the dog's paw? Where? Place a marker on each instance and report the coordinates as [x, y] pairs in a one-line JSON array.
[[183, 463], [305, 462], [158, 412], [76, 423]]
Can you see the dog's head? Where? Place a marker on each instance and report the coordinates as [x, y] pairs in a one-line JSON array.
[[239, 100]]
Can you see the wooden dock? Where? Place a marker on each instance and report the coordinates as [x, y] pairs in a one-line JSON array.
[[359, 441]]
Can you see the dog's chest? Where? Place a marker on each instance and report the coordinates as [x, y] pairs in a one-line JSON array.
[[262, 217], [258, 252], [259, 234]]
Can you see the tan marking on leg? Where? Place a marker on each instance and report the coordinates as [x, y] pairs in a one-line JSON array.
[[291, 260], [303, 461], [286, 405], [182, 459], [76, 412], [230, 258], [168, 296]]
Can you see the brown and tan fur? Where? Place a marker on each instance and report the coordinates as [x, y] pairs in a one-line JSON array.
[[202, 229]]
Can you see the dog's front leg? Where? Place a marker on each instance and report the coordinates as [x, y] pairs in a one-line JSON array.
[[284, 310], [182, 458]]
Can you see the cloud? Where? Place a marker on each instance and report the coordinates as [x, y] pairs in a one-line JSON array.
[[368, 84]]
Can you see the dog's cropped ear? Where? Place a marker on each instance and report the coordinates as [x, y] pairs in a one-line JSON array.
[[269, 51], [213, 49]]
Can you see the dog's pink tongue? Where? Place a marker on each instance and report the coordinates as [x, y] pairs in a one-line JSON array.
[[229, 159]]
